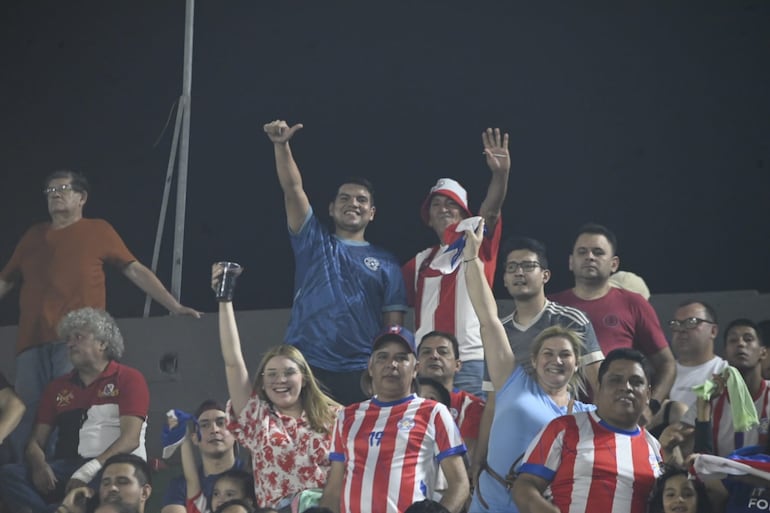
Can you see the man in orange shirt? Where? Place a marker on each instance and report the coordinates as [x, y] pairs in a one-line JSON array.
[[60, 266]]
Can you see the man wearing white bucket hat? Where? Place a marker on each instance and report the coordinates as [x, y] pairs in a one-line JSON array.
[[434, 278]]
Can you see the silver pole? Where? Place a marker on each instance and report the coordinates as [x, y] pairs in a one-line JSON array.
[[184, 149]]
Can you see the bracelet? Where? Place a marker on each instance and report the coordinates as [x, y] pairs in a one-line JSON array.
[[470, 259]]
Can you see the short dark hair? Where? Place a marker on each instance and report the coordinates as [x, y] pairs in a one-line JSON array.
[[625, 353], [426, 506], [358, 180], [208, 404], [443, 334], [598, 229], [711, 313], [142, 469], [239, 502], [748, 323], [764, 332], [78, 180], [528, 244], [244, 479], [444, 397]]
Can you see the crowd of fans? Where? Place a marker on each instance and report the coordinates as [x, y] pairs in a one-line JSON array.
[[573, 402]]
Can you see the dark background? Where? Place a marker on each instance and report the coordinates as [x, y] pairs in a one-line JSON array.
[[653, 119]]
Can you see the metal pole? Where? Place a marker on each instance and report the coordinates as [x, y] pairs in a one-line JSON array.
[[184, 149]]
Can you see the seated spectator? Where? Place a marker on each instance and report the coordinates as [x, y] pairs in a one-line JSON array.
[[745, 352], [216, 446], [11, 412], [387, 450], [438, 356], [429, 388], [100, 410], [527, 400], [283, 418], [125, 481], [674, 492], [597, 461]]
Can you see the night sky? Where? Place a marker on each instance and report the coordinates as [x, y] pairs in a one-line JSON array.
[[652, 119]]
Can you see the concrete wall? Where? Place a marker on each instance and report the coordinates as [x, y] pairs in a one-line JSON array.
[[200, 372]]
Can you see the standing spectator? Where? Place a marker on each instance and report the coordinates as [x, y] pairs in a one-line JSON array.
[[281, 417], [100, 410], [387, 450], [527, 397], [437, 290], [345, 289], [620, 317], [595, 461], [61, 268]]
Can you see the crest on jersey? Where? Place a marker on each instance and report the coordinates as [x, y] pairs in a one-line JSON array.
[[64, 398], [454, 413], [109, 390], [372, 263], [405, 424], [655, 464]]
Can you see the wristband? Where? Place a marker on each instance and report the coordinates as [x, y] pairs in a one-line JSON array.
[[87, 472]]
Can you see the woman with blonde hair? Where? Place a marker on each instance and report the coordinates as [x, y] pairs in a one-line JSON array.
[[282, 417], [524, 402]]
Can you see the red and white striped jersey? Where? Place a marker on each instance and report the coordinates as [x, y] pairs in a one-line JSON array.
[[466, 409], [592, 466], [391, 452], [441, 301], [725, 439]]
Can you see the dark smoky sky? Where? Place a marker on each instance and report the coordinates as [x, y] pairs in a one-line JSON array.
[[653, 119]]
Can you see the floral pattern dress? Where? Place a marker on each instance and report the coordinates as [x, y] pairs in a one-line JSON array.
[[287, 455]]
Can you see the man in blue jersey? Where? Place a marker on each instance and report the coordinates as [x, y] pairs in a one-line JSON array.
[[345, 289]]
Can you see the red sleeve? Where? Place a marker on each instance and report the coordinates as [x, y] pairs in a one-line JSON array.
[[472, 419], [134, 396], [12, 270], [408, 271], [489, 250]]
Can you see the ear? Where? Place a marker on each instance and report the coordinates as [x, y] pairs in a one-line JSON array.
[[331, 209], [546, 276], [570, 263], [372, 211], [146, 492], [615, 263], [762, 353], [459, 365]]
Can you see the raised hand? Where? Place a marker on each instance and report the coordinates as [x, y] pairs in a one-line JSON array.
[[279, 132], [496, 150]]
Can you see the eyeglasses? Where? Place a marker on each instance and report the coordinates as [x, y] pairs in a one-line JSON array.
[[688, 324], [275, 375], [526, 266], [58, 188]]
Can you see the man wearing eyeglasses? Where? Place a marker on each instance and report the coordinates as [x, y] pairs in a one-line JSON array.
[[60, 266], [620, 317], [693, 331], [435, 286]]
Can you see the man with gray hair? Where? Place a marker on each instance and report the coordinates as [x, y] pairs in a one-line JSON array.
[[100, 409]]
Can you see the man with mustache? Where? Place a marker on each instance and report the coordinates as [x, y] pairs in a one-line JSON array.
[[620, 317]]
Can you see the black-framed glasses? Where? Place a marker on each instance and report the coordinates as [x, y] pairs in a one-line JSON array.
[[58, 188], [526, 266], [688, 324], [275, 375]]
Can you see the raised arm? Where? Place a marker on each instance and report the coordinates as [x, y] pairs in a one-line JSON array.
[[238, 381], [497, 350], [146, 280], [294, 197], [499, 162]]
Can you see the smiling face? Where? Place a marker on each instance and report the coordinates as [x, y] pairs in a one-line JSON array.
[[393, 368], [282, 381], [593, 259], [521, 283], [352, 209], [623, 394], [215, 440], [679, 495], [555, 364], [443, 212]]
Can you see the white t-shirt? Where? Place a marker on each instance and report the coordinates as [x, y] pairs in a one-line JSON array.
[[688, 377]]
